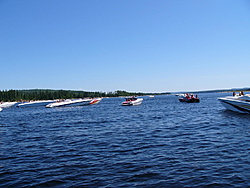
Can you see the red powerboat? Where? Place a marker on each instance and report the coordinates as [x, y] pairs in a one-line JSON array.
[[189, 98]]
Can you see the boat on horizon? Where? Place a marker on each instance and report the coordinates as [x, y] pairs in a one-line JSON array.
[[70, 102], [36, 103], [236, 103], [132, 101]]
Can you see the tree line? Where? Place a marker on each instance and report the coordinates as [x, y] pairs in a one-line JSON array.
[[45, 94]]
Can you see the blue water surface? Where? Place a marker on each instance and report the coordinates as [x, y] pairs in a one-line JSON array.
[[160, 143]]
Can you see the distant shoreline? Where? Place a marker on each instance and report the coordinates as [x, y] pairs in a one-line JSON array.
[[49, 94]]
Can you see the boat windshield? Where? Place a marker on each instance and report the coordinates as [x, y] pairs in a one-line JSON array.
[[131, 99]]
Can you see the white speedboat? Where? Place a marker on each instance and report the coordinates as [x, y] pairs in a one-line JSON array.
[[132, 101], [236, 103], [36, 103], [70, 102], [7, 104]]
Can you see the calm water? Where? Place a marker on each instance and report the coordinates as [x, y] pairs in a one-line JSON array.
[[161, 143]]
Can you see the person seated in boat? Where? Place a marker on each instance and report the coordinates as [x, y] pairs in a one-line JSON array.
[[241, 93], [234, 94], [192, 96]]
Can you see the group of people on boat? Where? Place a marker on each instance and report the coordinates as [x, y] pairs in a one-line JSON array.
[[131, 99], [190, 98], [240, 94]]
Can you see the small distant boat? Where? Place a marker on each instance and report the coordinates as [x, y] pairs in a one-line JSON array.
[[36, 103], [151, 96], [236, 103], [189, 98], [132, 101], [70, 102], [95, 101], [7, 104]]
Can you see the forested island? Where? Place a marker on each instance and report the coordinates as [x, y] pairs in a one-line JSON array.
[[47, 94]]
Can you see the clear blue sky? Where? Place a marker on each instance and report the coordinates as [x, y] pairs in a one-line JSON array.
[[132, 45]]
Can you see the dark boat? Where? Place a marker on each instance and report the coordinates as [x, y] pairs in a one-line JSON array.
[[189, 98]]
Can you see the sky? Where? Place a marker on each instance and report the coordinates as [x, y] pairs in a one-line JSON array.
[[131, 45]]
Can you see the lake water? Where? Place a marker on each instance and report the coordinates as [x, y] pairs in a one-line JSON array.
[[160, 143]]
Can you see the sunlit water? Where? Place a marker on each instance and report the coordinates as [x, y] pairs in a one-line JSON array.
[[160, 143]]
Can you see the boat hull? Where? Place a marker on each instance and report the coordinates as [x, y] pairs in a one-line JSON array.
[[235, 104], [7, 104], [95, 101], [191, 100], [70, 103], [35, 103], [132, 103]]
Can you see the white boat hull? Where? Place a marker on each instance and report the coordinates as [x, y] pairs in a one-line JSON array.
[[237, 104], [7, 104], [77, 102], [133, 103], [36, 103]]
